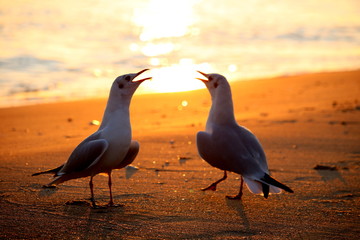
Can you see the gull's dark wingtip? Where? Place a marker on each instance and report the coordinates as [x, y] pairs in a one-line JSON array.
[[54, 171], [269, 180], [266, 190]]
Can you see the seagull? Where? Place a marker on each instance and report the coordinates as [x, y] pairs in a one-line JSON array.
[[230, 147], [110, 147]]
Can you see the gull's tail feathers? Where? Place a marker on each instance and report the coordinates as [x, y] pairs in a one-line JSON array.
[[265, 185], [57, 180], [61, 177], [253, 186], [271, 181], [52, 171]]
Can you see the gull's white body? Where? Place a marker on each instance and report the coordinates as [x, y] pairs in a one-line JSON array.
[[108, 148], [230, 147]]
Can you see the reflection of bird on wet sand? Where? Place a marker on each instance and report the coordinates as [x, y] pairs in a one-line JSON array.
[[230, 147], [108, 148]]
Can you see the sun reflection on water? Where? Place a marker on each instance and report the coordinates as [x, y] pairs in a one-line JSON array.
[[164, 19], [162, 23], [175, 78]]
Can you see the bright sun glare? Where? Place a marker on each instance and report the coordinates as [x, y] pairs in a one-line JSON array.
[[175, 78], [161, 23]]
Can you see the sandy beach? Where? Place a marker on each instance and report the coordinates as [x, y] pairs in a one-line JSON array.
[[303, 122]]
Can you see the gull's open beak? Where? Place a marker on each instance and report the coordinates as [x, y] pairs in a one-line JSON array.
[[141, 80], [205, 75]]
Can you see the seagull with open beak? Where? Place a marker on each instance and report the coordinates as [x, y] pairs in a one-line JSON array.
[[111, 146], [230, 147]]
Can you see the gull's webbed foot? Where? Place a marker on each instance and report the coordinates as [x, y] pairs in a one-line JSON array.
[[212, 187], [112, 204], [237, 197]]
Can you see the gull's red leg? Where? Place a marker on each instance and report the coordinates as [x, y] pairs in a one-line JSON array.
[[213, 186], [111, 202], [238, 197], [92, 192]]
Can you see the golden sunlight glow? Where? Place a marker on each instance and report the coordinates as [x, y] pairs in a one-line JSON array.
[[161, 23], [164, 19], [176, 78], [152, 50], [155, 61], [183, 105], [232, 68]]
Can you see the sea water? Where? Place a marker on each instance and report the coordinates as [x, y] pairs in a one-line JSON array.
[[64, 49]]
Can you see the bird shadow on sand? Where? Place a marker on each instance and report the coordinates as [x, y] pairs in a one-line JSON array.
[[102, 222], [330, 175], [46, 191], [238, 206], [83, 208]]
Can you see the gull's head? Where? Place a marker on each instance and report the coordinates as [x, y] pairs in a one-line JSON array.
[[126, 85], [213, 81]]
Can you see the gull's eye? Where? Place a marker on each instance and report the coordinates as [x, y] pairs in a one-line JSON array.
[[210, 78], [121, 85], [127, 78]]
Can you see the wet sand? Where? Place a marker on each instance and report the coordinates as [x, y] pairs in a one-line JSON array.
[[303, 122]]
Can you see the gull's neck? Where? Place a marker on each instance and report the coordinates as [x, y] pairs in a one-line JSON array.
[[222, 109], [116, 107]]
